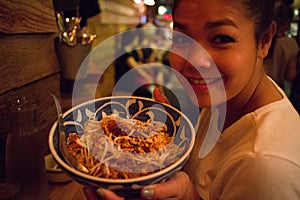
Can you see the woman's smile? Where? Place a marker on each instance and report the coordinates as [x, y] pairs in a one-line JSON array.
[[203, 84]]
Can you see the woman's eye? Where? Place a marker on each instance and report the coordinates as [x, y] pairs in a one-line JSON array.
[[181, 40], [223, 39]]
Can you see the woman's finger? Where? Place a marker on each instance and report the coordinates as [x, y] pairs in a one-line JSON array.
[[178, 187], [158, 96], [100, 194], [108, 194]]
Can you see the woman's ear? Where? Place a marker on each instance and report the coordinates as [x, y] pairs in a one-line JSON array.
[[266, 40]]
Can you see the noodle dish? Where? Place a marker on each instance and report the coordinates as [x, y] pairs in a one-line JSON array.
[[125, 142]]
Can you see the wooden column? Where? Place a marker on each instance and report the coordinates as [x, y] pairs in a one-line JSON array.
[[28, 61]]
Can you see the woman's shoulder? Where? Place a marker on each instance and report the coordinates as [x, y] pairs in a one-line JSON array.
[[272, 130], [277, 131], [264, 175], [267, 161]]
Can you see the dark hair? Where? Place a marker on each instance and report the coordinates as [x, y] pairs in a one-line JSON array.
[[283, 16], [260, 11]]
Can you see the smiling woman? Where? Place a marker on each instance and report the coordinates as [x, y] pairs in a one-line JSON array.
[[256, 139], [237, 38]]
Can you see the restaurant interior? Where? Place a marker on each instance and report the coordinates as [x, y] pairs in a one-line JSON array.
[[34, 53], [33, 58]]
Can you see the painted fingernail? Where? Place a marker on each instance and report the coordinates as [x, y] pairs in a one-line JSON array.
[[148, 193]]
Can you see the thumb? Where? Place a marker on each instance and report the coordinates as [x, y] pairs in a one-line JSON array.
[[159, 96]]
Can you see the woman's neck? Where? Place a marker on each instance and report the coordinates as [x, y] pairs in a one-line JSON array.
[[240, 106]]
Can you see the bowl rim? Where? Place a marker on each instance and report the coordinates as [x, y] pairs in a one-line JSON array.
[[129, 180]]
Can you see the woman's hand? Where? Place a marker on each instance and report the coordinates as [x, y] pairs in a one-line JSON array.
[[100, 194], [178, 187]]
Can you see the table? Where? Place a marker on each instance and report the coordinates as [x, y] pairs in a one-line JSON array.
[[65, 191]]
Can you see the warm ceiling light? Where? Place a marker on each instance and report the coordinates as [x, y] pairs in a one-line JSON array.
[[149, 2], [162, 10]]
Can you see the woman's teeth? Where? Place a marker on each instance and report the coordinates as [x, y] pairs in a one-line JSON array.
[[203, 81]]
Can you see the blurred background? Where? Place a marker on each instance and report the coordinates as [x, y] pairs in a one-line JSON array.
[[36, 46]]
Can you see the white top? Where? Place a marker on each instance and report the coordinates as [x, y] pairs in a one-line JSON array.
[[285, 48], [257, 157]]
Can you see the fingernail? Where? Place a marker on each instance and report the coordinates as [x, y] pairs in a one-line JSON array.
[[148, 193], [100, 193]]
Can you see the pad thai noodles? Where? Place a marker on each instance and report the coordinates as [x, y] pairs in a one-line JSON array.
[[120, 148]]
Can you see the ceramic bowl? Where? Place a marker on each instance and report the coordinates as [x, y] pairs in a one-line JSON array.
[[178, 126], [54, 173]]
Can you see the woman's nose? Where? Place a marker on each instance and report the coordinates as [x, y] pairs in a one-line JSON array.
[[198, 57]]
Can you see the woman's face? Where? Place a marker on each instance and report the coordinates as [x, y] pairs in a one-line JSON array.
[[227, 37]]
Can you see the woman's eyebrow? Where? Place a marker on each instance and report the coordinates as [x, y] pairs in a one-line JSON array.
[[208, 25], [223, 22]]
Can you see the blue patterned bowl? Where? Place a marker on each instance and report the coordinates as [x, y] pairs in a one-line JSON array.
[[178, 127]]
